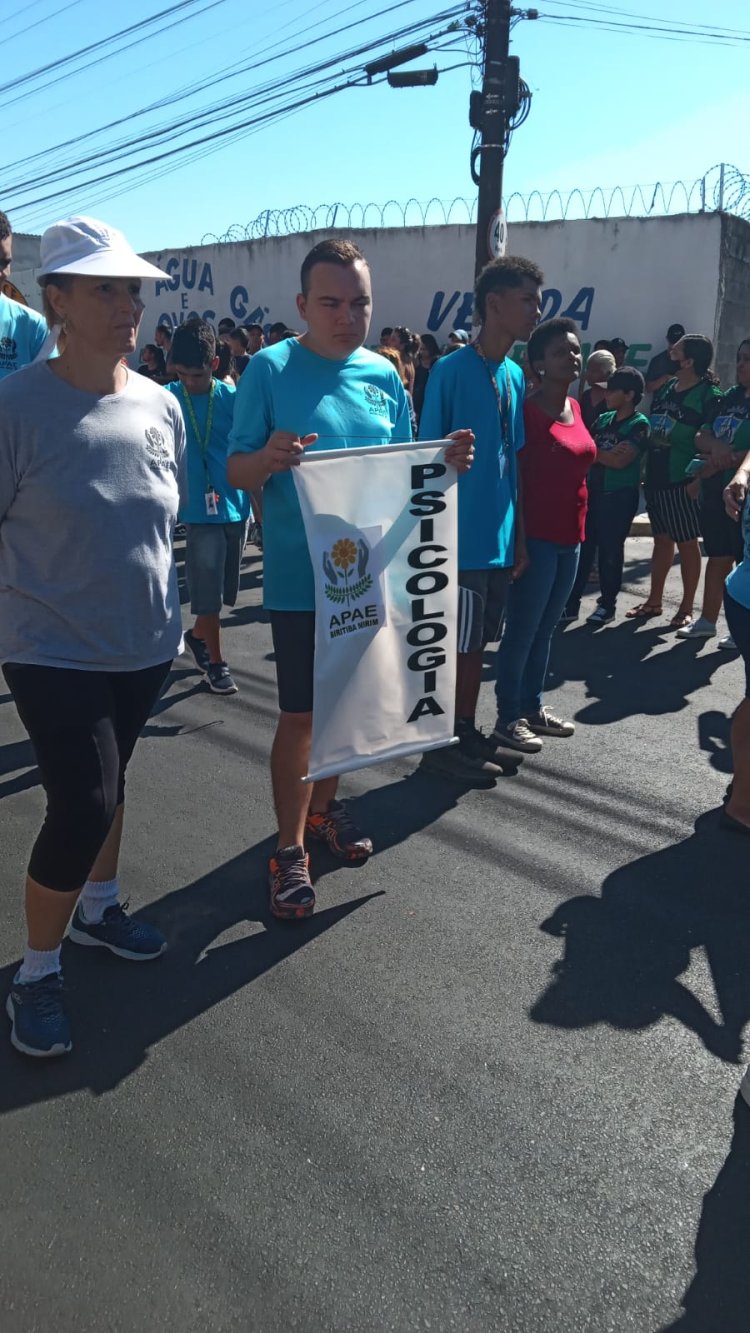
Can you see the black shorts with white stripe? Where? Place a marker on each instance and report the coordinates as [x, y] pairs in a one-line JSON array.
[[481, 606], [673, 514]]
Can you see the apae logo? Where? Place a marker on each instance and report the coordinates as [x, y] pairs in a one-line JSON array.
[[156, 448], [347, 585], [377, 403], [8, 353]]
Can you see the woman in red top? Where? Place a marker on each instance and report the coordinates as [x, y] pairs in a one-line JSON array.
[[553, 464]]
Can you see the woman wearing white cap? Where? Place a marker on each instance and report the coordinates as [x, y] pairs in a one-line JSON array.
[[91, 460]]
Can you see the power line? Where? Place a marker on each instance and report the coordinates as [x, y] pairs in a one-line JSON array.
[[28, 27], [189, 90], [684, 33], [168, 130], [215, 138], [99, 45], [650, 19], [217, 34]]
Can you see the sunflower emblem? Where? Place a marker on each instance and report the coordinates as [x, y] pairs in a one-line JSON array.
[[340, 564], [344, 553]]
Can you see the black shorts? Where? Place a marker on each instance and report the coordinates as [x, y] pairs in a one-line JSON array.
[[722, 537], [83, 726], [481, 605], [672, 513], [738, 624], [294, 649]]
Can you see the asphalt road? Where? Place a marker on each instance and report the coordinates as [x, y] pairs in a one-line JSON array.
[[489, 1086]]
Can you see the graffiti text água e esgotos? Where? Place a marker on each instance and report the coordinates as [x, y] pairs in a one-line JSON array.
[[191, 283]]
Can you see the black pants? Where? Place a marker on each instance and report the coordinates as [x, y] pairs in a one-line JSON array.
[[608, 522], [83, 726]]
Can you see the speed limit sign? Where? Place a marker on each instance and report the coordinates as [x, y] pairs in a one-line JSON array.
[[497, 235]]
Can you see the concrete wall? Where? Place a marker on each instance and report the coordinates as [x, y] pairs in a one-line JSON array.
[[734, 294], [627, 277], [25, 267]]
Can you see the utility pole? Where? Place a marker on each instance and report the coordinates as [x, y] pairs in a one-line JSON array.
[[490, 117]]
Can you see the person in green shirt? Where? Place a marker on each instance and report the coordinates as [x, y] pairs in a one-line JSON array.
[[678, 411], [621, 436], [722, 443]]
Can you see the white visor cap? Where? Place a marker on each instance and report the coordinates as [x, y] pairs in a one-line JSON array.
[[86, 246]]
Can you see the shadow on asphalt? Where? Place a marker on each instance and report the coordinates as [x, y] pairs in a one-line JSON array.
[[713, 737], [399, 809], [17, 755], [20, 754], [120, 1010], [625, 951], [624, 677], [718, 1297]]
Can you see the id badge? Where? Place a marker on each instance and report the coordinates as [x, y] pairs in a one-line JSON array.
[[501, 466], [211, 505]]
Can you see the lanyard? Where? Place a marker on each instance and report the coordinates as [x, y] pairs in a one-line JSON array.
[[203, 442], [503, 407]]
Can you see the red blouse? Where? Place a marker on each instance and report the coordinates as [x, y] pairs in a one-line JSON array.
[[554, 463]]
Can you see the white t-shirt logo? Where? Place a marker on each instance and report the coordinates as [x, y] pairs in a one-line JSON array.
[[156, 448]]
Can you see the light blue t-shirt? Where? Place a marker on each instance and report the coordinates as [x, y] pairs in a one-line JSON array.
[[459, 394], [347, 404], [233, 505], [22, 333], [738, 582]]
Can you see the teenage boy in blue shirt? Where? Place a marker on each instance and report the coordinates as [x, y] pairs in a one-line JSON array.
[[326, 386], [22, 331], [216, 514], [480, 386]]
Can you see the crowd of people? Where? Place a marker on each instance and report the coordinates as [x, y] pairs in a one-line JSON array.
[[98, 464]]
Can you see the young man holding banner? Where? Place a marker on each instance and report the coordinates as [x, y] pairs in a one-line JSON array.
[[482, 387], [324, 386]]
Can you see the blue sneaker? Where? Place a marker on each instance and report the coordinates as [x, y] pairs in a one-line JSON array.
[[198, 649], [119, 933], [219, 679], [39, 1023]]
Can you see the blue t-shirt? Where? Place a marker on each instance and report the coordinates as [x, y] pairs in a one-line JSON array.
[[22, 333], [738, 582], [459, 395], [233, 505], [347, 403]]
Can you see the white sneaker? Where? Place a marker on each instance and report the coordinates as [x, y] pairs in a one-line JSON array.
[[517, 736], [700, 629], [544, 723], [727, 643]]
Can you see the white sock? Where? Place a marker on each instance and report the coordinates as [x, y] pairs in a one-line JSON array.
[[38, 963], [96, 897]]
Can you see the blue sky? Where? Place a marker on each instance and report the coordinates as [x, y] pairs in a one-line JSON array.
[[608, 108]]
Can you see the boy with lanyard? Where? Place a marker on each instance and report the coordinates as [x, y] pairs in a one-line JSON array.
[[216, 514], [621, 435], [482, 387]]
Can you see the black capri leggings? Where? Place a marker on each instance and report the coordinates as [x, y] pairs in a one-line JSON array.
[[83, 726]]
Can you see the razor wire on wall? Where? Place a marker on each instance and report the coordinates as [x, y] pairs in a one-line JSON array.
[[723, 188]]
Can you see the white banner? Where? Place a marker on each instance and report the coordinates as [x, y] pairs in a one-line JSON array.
[[382, 534]]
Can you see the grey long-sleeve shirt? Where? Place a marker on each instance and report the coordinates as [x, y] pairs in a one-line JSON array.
[[89, 493]]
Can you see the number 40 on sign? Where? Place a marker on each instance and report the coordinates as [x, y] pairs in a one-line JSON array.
[[497, 235]]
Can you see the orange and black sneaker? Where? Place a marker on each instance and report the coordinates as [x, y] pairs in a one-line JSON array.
[[339, 833], [292, 893]]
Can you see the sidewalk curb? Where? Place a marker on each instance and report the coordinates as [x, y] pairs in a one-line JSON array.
[[641, 526]]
